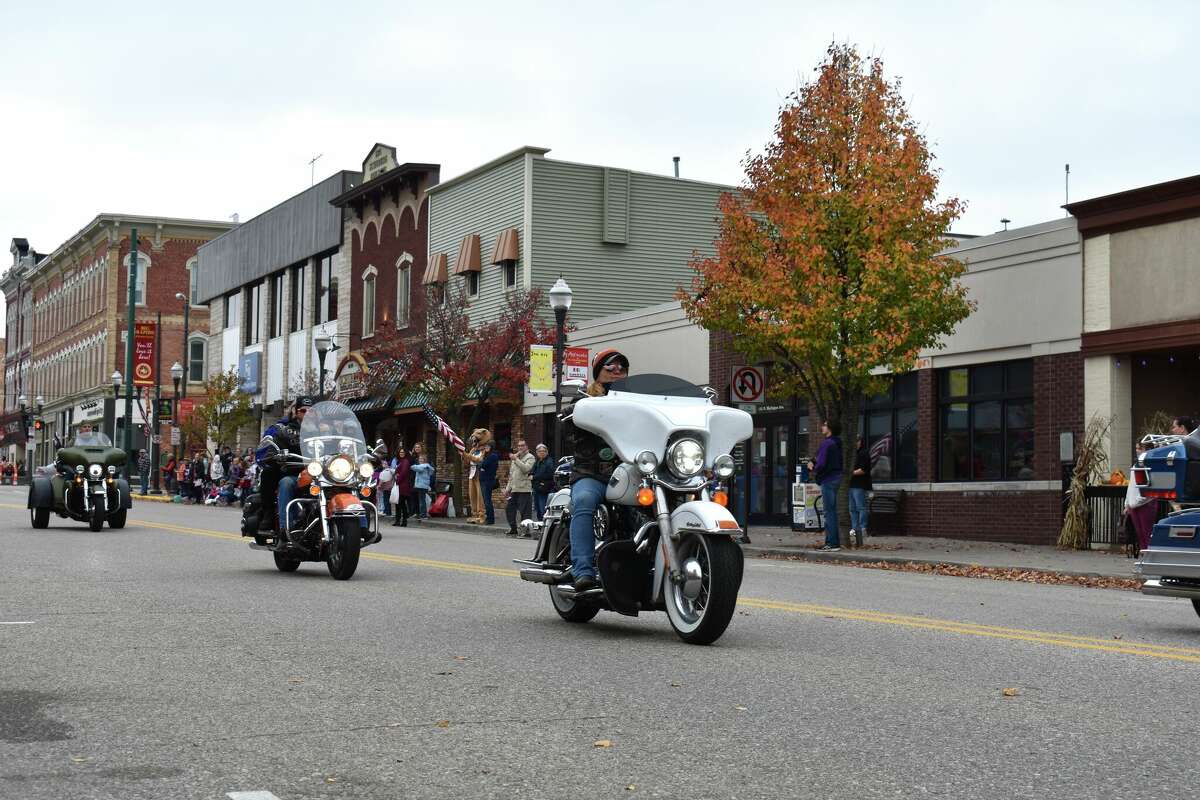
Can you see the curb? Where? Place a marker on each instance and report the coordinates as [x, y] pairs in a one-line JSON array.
[[153, 498], [464, 527], [818, 557]]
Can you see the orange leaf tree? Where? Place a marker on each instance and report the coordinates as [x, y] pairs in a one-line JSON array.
[[827, 262]]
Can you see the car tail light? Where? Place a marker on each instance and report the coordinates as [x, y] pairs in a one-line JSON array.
[[1141, 476], [1160, 494]]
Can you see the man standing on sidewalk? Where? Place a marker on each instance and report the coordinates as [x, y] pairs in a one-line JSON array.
[[519, 491], [143, 465], [827, 470]]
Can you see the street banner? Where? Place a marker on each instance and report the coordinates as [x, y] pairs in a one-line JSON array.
[[186, 406], [143, 353], [541, 369], [165, 408], [575, 364]]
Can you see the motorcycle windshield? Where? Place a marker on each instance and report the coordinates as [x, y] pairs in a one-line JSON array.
[[92, 439], [644, 412], [330, 429]]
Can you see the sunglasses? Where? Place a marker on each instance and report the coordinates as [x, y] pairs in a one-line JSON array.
[[614, 367]]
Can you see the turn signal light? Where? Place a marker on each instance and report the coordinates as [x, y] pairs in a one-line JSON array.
[[645, 496], [727, 524], [314, 490], [366, 491], [721, 498]]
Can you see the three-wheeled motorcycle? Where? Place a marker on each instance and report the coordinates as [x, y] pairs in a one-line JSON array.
[[85, 486], [1171, 472]]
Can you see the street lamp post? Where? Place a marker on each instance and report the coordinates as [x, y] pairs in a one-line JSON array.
[[21, 401], [116, 384], [176, 376], [560, 301], [187, 312], [322, 343]]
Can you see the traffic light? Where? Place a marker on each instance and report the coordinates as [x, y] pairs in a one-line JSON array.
[[37, 424]]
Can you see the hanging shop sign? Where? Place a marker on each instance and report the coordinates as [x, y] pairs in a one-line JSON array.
[[143, 353], [541, 369], [575, 363]]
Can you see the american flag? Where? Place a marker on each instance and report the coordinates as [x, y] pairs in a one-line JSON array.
[[443, 428], [881, 447]]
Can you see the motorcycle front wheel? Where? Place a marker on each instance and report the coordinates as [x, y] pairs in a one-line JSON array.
[[560, 558], [96, 521], [700, 608], [344, 545]]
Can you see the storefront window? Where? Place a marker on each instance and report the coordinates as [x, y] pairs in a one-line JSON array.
[[985, 417], [327, 289], [890, 425]]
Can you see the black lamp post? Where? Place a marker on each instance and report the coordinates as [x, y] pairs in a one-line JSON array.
[[27, 423], [322, 342], [187, 314], [560, 301], [176, 376], [116, 384], [40, 402]]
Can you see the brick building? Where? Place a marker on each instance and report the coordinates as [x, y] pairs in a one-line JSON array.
[[972, 436], [67, 312]]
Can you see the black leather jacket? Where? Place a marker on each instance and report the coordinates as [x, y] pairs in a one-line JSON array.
[[594, 458]]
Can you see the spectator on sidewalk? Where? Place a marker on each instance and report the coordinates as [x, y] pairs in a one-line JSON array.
[[1142, 511], [216, 470], [518, 492], [1182, 426], [542, 479], [860, 484], [487, 482], [168, 473], [403, 490], [422, 484], [827, 471], [143, 465]]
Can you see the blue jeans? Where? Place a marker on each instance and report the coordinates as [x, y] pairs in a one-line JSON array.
[[858, 509], [288, 486], [540, 499], [422, 503], [829, 490], [586, 496], [489, 512]]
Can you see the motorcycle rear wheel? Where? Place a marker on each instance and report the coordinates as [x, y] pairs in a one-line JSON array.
[[344, 547], [116, 520], [560, 557], [702, 619], [39, 517]]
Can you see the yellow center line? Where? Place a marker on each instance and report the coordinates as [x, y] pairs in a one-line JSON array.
[[1073, 641]]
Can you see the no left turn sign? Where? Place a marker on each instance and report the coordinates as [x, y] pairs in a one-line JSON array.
[[748, 384]]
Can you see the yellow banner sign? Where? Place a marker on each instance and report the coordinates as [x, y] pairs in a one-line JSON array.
[[541, 368]]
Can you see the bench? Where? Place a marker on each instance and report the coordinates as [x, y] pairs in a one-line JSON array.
[[885, 502]]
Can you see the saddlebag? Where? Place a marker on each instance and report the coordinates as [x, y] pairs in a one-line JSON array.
[[251, 509]]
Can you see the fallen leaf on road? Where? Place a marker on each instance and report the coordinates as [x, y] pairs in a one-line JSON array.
[[677, 685], [330, 779], [740, 708], [602, 743], [443, 723], [80, 759], [295, 680], [460, 658], [631, 787], [1012, 692]]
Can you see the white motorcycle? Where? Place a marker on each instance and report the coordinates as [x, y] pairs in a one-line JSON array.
[[665, 539]]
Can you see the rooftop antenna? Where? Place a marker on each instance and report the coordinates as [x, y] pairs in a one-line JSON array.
[[312, 169], [1005, 222], [676, 160], [1066, 187]]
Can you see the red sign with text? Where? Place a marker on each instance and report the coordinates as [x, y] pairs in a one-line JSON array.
[[186, 406], [575, 363], [143, 353]]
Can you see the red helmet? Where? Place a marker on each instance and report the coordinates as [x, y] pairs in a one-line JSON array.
[[604, 357]]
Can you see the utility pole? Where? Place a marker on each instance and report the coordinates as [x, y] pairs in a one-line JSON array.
[[127, 445], [312, 169]]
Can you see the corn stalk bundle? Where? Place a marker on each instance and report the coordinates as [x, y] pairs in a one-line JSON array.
[[1090, 463]]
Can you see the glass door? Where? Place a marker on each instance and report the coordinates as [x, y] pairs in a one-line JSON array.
[[770, 469]]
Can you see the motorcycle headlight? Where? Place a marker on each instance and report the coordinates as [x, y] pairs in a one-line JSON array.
[[112, 471], [314, 468], [723, 466], [95, 471], [340, 469], [647, 462], [366, 471], [79, 469], [685, 458]]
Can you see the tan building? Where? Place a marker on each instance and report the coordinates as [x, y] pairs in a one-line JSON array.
[[1141, 307]]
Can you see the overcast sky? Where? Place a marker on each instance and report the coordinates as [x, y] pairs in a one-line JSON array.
[[207, 109]]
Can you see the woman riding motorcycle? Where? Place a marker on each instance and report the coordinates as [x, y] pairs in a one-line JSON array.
[[594, 464]]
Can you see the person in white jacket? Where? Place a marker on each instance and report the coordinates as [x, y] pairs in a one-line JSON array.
[[216, 473], [519, 491]]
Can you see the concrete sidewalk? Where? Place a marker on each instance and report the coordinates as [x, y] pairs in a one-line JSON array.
[[771, 541]]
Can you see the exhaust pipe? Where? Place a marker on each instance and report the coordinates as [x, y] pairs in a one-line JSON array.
[[550, 576]]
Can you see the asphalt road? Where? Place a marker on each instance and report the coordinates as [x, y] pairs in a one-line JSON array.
[[168, 660]]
